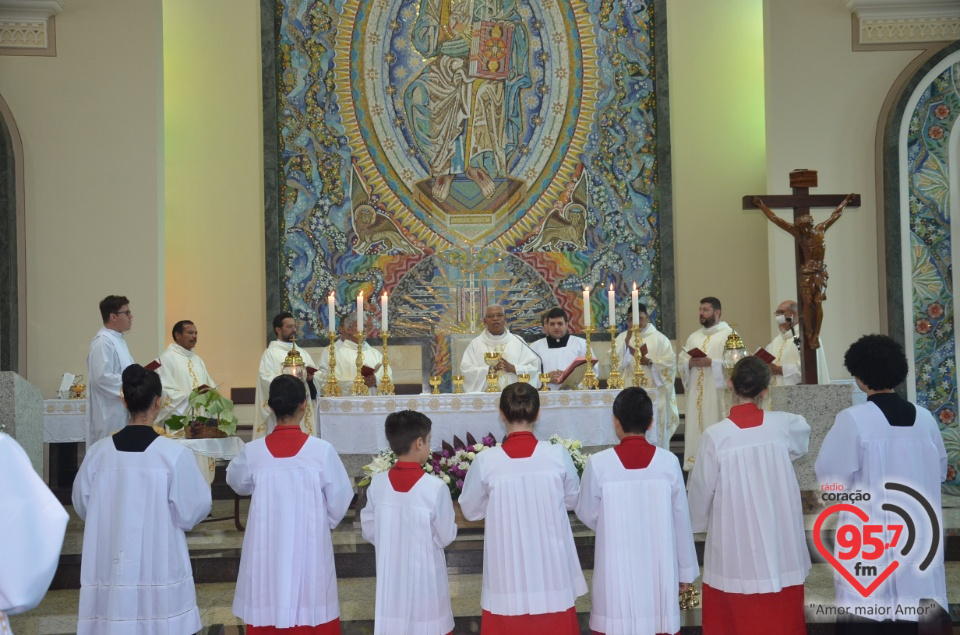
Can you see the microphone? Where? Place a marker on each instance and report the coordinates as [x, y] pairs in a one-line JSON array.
[[530, 349], [793, 333]]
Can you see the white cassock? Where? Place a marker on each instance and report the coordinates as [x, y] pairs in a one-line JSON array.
[[106, 359], [744, 494], [31, 533], [787, 356], [561, 357], [863, 452], [410, 530], [287, 574], [135, 576], [660, 375], [270, 363], [181, 371], [511, 347], [346, 356], [525, 503], [644, 547], [703, 386]]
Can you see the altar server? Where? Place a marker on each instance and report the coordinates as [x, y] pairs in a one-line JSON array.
[[300, 492], [106, 359], [516, 356], [345, 350], [888, 440], [524, 488], [633, 496], [31, 533], [703, 380], [181, 371], [744, 494], [659, 366], [558, 348], [409, 519], [271, 363], [138, 493]]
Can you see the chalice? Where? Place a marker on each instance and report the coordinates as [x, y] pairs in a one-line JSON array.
[[458, 384], [493, 375], [544, 382], [435, 381]]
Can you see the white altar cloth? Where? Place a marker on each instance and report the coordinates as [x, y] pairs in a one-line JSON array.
[[354, 425], [65, 420]]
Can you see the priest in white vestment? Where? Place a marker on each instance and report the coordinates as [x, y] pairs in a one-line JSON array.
[[34, 523], [702, 377], [785, 349], [181, 371], [659, 371], [345, 350], [271, 363], [558, 348], [137, 493], [106, 359], [888, 440], [516, 356]]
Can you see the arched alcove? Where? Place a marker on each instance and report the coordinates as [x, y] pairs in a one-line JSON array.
[[12, 269]]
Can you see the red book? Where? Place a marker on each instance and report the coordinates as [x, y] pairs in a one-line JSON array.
[[643, 350], [490, 49], [764, 355], [696, 353], [366, 371], [154, 365]]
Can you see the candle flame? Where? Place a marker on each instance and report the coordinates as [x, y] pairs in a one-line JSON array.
[[611, 286], [634, 286]]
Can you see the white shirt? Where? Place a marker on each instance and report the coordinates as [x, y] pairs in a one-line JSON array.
[[181, 371], [31, 533], [744, 494], [410, 530], [703, 386], [644, 547], [287, 544], [135, 576], [787, 356], [107, 358], [513, 349], [270, 364]]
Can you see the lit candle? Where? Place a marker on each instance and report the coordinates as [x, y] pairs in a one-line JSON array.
[[331, 310], [360, 312], [635, 301], [383, 312], [586, 306], [612, 306]]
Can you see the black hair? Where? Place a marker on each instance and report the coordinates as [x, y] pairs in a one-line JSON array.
[[141, 388], [642, 308], [286, 394], [633, 408], [520, 403], [179, 326], [112, 304], [878, 361], [554, 313], [404, 427], [278, 320], [750, 377], [712, 301]]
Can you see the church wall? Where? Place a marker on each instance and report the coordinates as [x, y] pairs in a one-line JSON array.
[[823, 104], [90, 120]]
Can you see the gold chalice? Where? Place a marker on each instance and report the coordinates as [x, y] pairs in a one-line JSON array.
[[493, 375], [435, 381], [76, 391], [524, 378], [458, 384], [544, 382]]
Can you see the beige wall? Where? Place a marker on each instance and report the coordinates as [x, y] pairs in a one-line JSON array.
[[214, 182], [90, 120], [823, 105]]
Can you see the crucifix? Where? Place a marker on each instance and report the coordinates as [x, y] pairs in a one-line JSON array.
[[810, 248]]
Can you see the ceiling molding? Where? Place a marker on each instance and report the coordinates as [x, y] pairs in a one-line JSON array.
[[27, 27], [902, 23]]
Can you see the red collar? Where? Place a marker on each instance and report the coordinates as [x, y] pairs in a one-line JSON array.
[[285, 441], [746, 415], [635, 452], [520, 445], [404, 475]]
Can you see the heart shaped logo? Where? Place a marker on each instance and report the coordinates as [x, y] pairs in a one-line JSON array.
[[818, 541]]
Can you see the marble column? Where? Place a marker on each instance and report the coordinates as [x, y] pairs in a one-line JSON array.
[[21, 415]]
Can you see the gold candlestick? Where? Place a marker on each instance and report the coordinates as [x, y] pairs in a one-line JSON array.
[[639, 378], [386, 385], [332, 389], [458, 384], [544, 382], [614, 380], [590, 381], [359, 386]]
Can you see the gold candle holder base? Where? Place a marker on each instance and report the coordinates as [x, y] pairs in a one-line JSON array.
[[544, 382], [590, 381], [386, 385], [639, 377], [332, 387], [614, 380], [359, 386], [458, 384]]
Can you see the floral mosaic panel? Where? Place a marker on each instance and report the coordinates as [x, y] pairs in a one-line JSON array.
[[931, 258]]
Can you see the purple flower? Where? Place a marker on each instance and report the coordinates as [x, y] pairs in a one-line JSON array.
[[446, 454], [460, 484]]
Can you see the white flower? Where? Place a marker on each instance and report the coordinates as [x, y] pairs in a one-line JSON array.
[[471, 455], [463, 465], [478, 447], [428, 468], [446, 478]]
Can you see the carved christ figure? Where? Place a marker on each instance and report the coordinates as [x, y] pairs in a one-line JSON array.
[[813, 271]]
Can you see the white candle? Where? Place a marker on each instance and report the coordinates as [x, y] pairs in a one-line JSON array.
[[360, 313], [331, 311], [635, 301], [383, 312], [586, 306], [612, 306]]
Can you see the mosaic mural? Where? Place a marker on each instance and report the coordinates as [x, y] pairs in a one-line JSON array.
[[456, 153], [928, 143]]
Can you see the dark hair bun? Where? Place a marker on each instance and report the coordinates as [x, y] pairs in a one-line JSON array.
[[141, 388]]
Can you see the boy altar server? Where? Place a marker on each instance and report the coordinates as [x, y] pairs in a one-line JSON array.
[[634, 497], [409, 519], [524, 487], [300, 492]]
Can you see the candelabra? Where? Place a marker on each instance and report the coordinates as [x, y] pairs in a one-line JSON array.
[[614, 380], [359, 385], [332, 389], [639, 379], [590, 381], [386, 385]]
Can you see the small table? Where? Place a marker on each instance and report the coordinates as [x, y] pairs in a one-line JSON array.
[[65, 423]]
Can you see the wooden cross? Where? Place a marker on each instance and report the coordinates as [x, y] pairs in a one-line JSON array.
[[809, 248]]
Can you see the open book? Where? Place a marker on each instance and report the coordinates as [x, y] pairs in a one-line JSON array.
[[764, 355], [366, 371], [696, 353], [573, 375], [154, 365]]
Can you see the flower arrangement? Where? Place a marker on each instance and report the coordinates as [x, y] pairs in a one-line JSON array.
[[574, 448]]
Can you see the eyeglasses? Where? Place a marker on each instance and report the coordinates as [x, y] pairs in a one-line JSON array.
[[128, 312]]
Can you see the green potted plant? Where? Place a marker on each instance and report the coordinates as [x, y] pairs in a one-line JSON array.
[[210, 415]]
